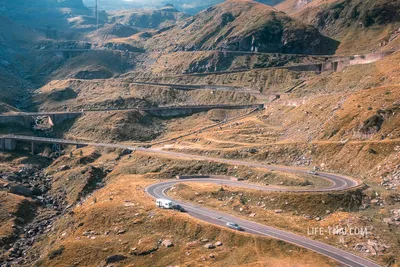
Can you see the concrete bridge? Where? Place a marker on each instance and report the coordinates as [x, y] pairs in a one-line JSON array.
[[28, 119], [55, 118], [9, 142]]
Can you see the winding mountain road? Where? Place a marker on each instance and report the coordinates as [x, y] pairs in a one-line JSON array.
[[158, 190]]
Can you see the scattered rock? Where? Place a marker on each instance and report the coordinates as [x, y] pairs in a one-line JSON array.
[[218, 244], [388, 220], [53, 254], [278, 211], [64, 168], [115, 258], [167, 243], [126, 152], [209, 246], [375, 201], [192, 244], [121, 232], [20, 190]]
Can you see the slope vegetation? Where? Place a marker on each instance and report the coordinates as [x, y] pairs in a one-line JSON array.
[[148, 19], [243, 25], [359, 25]]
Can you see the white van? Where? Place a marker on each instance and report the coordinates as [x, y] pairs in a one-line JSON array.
[[164, 203]]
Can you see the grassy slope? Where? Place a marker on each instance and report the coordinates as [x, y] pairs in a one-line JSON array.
[[78, 94], [148, 19], [233, 24], [359, 25], [123, 205], [297, 213]]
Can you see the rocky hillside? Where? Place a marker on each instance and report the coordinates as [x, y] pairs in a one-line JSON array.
[[358, 24], [111, 31], [243, 25], [15, 40], [148, 19], [187, 6], [196, 6], [292, 6]]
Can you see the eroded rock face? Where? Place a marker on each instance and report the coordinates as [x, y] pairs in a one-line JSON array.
[[391, 180], [372, 124], [373, 247]]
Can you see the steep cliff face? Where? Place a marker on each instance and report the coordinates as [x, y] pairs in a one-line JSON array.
[[358, 24], [244, 25]]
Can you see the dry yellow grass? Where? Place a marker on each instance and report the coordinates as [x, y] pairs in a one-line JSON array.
[[11, 207], [123, 205], [298, 213], [118, 93], [347, 22]]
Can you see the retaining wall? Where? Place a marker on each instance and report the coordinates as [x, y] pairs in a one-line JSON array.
[[186, 111]]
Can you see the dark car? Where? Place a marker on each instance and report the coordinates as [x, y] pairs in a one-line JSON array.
[[234, 226], [179, 208]]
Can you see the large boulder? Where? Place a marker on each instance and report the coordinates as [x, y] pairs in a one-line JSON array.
[[21, 190]]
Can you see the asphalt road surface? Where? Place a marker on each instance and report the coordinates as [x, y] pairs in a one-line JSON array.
[[159, 190], [337, 183]]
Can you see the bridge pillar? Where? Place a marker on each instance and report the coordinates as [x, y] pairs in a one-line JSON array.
[[33, 148], [9, 144]]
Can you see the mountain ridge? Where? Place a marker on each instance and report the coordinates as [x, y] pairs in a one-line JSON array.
[[244, 25]]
